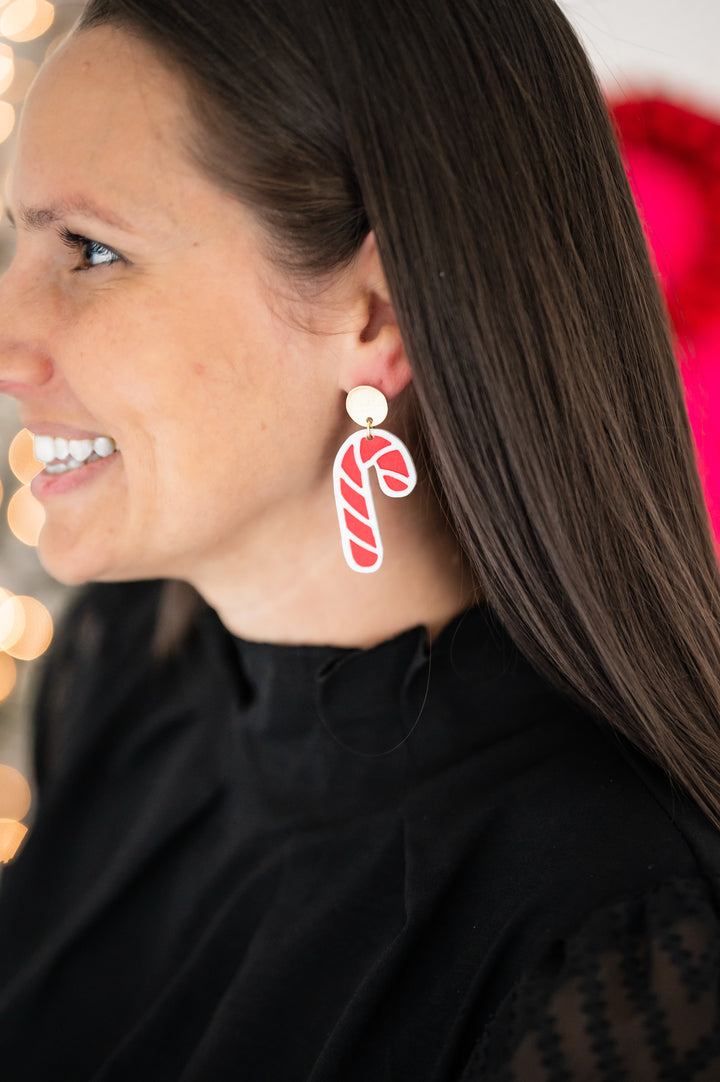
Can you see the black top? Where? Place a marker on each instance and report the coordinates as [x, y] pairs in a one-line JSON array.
[[310, 864]]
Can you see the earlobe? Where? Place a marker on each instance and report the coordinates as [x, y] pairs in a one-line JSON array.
[[381, 362]]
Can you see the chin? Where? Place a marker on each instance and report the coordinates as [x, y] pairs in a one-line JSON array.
[[70, 572], [74, 556], [75, 564]]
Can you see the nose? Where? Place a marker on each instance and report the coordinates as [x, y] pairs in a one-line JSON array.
[[22, 368], [25, 363]]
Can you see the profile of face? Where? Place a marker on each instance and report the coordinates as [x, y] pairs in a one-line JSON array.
[[143, 308]]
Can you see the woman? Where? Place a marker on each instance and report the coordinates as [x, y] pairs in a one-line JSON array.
[[449, 818]]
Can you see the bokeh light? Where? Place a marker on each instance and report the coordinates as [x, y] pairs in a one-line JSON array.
[[7, 120], [7, 66], [21, 457], [24, 20], [25, 516], [37, 631], [25, 72], [15, 796], [11, 834], [8, 675], [12, 621], [16, 17]]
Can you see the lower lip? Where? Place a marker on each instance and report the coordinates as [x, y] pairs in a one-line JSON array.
[[46, 484]]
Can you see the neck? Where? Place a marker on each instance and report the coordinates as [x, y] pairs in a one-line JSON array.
[[300, 591]]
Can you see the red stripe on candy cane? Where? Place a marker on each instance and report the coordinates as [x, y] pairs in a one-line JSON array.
[[369, 448], [397, 484], [359, 531], [393, 460], [364, 558], [354, 498], [351, 467]]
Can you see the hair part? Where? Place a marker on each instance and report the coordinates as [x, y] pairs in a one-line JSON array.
[[472, 137]]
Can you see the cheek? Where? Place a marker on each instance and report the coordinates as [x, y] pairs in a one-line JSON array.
[[243, 470], [206, 398]]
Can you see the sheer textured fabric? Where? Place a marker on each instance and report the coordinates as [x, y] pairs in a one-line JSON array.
[[632, 996]]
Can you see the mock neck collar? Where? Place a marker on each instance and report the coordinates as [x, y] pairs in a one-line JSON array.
[[323, 731]]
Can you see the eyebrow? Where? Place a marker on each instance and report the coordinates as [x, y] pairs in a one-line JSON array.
[[35, 218]]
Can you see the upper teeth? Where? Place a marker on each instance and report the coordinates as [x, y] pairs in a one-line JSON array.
[[71, 452]]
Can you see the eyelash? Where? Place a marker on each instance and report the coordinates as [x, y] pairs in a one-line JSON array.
[[80, 244]]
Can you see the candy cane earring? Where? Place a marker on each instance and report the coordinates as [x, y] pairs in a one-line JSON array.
[[372, 447]]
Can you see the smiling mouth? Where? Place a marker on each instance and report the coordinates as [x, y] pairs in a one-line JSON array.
[[60, 455]]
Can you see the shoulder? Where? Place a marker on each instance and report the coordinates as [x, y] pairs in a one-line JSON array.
[[570, 798], [604, 927], [549, 814], [632, 992], [587, 820]]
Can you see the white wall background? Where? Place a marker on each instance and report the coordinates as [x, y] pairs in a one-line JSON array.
[[671, 46]]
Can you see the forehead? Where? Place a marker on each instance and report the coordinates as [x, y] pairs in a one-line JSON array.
[[104, 111]]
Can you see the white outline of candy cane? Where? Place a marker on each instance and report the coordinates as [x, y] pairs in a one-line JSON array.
[[365, 491]]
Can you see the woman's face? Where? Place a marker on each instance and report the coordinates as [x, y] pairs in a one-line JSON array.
[[140, 307]]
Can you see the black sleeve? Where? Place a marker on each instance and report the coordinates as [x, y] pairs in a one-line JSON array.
[[632, 996]]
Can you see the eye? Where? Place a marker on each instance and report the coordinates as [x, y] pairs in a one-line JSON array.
[[90, 252], [96, 254]]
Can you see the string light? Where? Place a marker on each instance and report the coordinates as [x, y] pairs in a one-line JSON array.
[[24, 20], [17, 17], [25, 71], [8, 676], [25, 516], [12, 621], [15, 797], [7, 66], [7, 120], [21, 457], [37, 631], [11, 834], [15, 800]]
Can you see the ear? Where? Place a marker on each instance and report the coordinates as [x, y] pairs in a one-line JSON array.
[[377, 357]]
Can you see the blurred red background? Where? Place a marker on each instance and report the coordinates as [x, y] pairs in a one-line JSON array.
[[672, 157]]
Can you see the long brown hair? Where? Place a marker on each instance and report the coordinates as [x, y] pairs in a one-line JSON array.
[[472, 137]]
